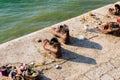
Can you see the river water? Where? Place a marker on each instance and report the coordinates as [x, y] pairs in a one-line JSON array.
[[20, 17]]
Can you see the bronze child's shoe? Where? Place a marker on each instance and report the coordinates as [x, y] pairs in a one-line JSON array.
[[4, 71], [32, 75], [53, 46], [62, 33]]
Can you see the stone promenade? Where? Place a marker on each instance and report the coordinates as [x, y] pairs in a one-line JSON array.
[[95, 58]]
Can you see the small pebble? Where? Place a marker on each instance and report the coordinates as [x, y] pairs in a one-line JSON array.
[[39, 40], [32, 63], [81, 37], [57, 66], [46, 68], [87, 27]]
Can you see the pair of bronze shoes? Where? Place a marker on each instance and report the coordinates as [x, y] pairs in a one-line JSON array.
[[61, 34], [110, 28], [115, 10]]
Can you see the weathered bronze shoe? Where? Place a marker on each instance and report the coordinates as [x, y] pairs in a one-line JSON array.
[[115, 10], [110, 28], [32, 75], [62, 33], [53, 46]]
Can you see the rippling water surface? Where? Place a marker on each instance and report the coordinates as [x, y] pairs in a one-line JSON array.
[[20, 17]]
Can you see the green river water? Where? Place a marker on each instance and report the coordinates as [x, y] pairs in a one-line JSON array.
[[20, 17]]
